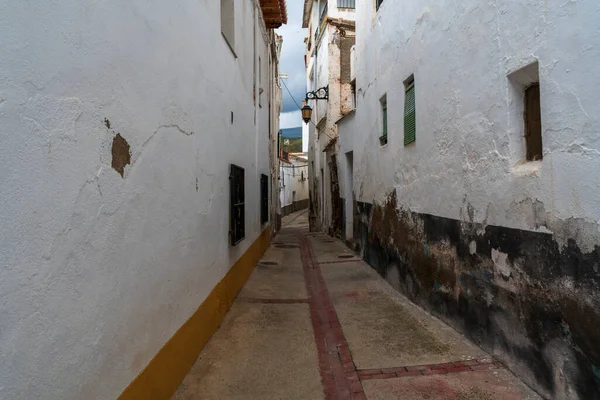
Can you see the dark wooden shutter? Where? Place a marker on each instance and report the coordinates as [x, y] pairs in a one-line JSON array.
[[384, 116], [264, 199], [410, 123], [237, 207], [533, 123]]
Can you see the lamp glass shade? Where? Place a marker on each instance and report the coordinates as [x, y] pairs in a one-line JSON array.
[[306, 113]]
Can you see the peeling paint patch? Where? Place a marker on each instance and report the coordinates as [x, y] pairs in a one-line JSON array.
[[121, 155], [472, 247]]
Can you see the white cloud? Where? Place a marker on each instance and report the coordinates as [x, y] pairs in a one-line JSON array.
[[292, 55], [290, 119]]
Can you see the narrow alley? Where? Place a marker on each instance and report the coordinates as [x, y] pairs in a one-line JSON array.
[[314, 321]]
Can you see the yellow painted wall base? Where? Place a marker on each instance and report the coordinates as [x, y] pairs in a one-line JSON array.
[[161, 377]]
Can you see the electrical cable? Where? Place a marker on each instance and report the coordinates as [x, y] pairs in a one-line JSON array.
[[300, 108]]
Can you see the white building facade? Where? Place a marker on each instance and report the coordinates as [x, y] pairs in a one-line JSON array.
[[330, 26], [293, 185], [469, 173], [121, 126]]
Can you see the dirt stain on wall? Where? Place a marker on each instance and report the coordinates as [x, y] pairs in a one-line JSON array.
[[529, 297]]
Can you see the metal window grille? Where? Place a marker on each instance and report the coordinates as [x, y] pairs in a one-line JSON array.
[[264, 199], [410, 123], [237, 207], [346, 3]]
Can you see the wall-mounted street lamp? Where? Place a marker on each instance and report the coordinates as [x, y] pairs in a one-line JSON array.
[[319, 94]]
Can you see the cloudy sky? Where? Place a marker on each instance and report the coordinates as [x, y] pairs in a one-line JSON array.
[[292, 64]]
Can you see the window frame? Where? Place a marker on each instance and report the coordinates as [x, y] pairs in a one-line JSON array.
[[237, 204], [534, 146], [264, 199], [383, 106], [410, 90]]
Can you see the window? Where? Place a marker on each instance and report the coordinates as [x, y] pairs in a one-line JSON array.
[[236, 194], [533, 123], [346, 4], [525, 122], [378, 4], [228, 22], [384, 121], [260, 89], [264, 199], [410, 123]]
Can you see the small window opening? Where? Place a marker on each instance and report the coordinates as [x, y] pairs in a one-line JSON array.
[[383, 139], [353, 88], [533, 123], [264, 199], [525, 114], [237, 229]]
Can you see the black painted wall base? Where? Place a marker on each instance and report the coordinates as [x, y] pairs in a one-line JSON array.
[[296, 206], [518, 294]]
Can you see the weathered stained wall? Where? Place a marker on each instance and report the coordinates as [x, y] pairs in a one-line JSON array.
[[328, 65], [503, 249], [100, 269]]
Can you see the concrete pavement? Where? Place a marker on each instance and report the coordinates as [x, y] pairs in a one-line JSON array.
[[314, 321]]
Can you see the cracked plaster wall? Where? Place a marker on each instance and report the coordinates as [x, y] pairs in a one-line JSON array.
[[97, 270], [469, 139], [325, 70], [467, 165]]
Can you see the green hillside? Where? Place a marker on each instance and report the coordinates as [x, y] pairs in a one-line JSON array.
[[294, 145]]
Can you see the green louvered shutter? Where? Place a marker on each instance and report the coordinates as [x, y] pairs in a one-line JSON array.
[[410, 123]]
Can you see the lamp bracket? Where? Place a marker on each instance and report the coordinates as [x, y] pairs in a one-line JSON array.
[[319, 94]]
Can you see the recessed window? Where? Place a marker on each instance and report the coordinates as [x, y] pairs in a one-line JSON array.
[[525, 113], [383, 139], [410, 118], [228, 22], [533, 123], [260, 88], [237, 226], [264, 199]]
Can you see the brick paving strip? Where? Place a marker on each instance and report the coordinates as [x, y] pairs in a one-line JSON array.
[[484, 364], [274, 301], [338, 373], [341, 261]]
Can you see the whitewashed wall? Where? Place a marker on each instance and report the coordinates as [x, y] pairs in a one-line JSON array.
[[469, 150], [98, 271], [294, 181], [468, 164]]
